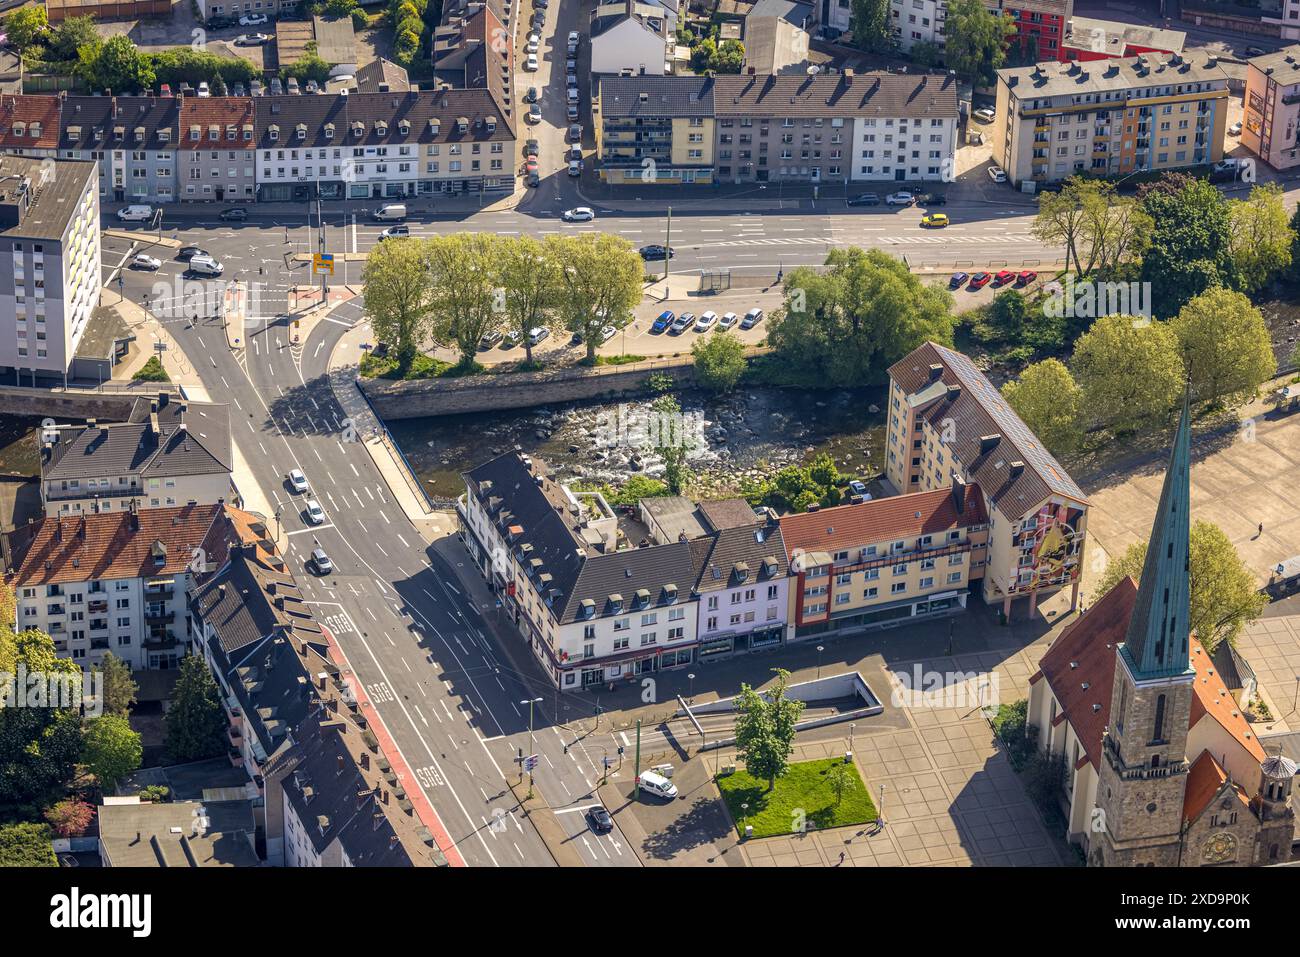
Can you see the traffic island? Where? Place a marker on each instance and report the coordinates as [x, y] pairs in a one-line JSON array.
[[803, 799], [537, 811]]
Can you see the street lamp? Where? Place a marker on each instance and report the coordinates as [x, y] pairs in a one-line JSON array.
[[820, 649], [691, 678], [530, 702]]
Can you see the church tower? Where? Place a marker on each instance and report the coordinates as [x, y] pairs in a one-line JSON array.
[[1144, 765]]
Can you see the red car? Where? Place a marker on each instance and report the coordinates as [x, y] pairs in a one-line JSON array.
[[979, 280], [1026, 277], [1003, 277]]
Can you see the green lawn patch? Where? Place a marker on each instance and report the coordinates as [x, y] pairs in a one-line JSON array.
[[614, 360], [805, 787], [152, 371]]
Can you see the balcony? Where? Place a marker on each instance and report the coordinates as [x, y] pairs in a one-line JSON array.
[[159, 617], [236, 735], [99, 644], [164, 641], [97, 607], [164, 593]]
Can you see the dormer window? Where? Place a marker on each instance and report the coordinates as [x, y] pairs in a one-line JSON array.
[[214, 133], [164, 136], [273, 132], [404, 127], [615, 604], [434, 127], [140, 134], [642, 597], [462, 124], [588, 608], [381, 128], [248, 131], [329, 131], [36, 130], [20, 129], [358, 129], [119, 133], [301, 131], [232, 132], [196, 133], [74, 132]]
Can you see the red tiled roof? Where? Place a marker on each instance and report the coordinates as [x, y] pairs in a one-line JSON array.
[[1085, 654], [104, 545], [1213, 698], [845, 526], [28, 110], [1204, 782]]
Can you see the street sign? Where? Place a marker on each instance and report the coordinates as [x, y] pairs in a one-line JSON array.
[[530, 762], [322, 264]]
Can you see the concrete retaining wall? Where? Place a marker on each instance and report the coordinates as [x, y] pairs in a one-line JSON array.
[[518, 390], [112, 406]]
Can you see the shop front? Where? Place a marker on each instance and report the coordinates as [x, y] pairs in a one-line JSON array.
[[299, 192]]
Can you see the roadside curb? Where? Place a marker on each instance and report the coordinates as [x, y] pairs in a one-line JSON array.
[[542, 816], [145, 239]]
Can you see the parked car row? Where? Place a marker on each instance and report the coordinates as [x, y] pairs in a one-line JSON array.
[[675, 325], [1003, 277], [904, 197]]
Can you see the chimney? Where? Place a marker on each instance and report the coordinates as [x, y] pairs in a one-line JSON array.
[[936, 370], [1016, 468], [989, 442], [953, 392], [959, 493]]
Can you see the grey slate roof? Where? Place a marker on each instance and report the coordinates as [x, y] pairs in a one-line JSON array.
[[514, 497], [240, 603], [378, 71], [757, 548], [666, 96], [162, 835], [837, 95], [979, 409], [55, 200]]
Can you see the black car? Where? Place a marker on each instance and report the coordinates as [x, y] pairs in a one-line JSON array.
[[657, 251], [187, 253], [864, 199], [932, 199], [600, 820], [236, 215]]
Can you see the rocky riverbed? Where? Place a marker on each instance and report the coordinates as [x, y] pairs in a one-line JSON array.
[[732, 438]]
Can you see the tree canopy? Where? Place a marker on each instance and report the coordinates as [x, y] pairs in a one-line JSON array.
[[765, 728], [1225, 345], [1130, 371], [194, 724]]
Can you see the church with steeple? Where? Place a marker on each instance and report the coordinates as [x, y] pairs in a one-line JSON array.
[[1160, 767]]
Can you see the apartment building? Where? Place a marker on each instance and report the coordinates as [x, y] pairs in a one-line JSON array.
[[591, 612], [654, 129], [1040, 26], [948, 425], [918, 21], [114, 581], [835, 127], [1271, 123], [216, 155], [1088, 39], [49, 264], [209, 9], [1115, 117], [632, 38], [383, 145], [472, 50], [179, 454], [883, 562]]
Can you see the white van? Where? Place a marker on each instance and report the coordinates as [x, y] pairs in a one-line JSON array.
[[206, 266], [658, 785], [135, 214], [391, 213]]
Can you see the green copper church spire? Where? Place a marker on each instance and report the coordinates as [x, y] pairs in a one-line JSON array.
[[1156, 643]]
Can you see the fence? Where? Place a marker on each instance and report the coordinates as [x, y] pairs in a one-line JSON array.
[[408, 472]]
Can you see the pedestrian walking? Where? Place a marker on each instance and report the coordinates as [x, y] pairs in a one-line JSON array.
[[1261, 530], [841, 857]]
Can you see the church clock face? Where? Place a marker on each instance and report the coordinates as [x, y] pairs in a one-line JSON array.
[[1219, 849]]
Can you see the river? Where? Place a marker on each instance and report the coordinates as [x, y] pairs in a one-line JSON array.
[[746, 434]]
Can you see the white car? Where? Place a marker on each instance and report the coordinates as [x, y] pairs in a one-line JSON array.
[[579, 214], [537, 334], [141, 261], [298, 481], [573, 36], [607, 333], [706, 321], [315, 514], [253, 20], [728, 320], [858, 490], [531, 63], [901, 198], [251, 39], [534, 42], [752, 318], [985, 115], [204, 90], [997, 174], [575, 167], [1235, 129]]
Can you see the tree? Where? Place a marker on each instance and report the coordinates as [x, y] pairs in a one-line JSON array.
[[111, 750], [976, 41], [703, 54], [529, 273], [765, 728], [1261, 237], [119, 686], [1225, 346], [399, 297], [1060, 218], [1115, 228], [719, 361], [1223, 595], [465, 299], [116, 65], [1047, 399], [670, 440], [70, 817], [70, 36], [339, 8], [195, 724], [1129, 370], [927, 54], [309, 66], [870, 25], [847, 325], [26, 844], [1190, 249], [26, 26], [730, 58], [39, 747], [838, 776], [602, 282]]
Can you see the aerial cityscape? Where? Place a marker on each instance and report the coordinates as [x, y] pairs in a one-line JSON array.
[[856, 434]]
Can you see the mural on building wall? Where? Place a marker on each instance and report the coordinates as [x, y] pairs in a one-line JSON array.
[[1055, 541]]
